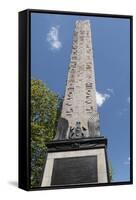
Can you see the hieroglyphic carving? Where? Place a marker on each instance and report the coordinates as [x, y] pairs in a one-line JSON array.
[[79, 103]]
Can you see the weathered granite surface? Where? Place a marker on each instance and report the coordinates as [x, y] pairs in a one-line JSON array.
[[79, 116]]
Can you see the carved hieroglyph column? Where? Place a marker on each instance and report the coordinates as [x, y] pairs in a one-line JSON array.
[[79, 116]]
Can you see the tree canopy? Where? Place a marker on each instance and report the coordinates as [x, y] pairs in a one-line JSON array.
[[45, 110]]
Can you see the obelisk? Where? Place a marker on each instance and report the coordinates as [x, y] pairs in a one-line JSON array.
[[77, 155], [79, 116]]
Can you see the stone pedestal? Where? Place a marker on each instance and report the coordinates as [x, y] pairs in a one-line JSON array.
[[76, 162]]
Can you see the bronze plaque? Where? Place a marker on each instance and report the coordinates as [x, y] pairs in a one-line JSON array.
[[75, 170]]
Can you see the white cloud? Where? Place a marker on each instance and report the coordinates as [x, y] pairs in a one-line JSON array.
[[127, 162], [110, 90], [125, 110], [53, 38], [101, 98]]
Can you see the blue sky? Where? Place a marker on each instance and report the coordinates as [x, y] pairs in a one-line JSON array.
[[51, 44]]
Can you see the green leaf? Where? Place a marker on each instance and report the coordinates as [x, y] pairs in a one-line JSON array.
[[45, 111]]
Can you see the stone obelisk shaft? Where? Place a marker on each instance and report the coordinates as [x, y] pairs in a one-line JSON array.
[[79, 116]]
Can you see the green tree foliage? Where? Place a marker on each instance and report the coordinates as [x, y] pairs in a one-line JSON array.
[[45, 110]]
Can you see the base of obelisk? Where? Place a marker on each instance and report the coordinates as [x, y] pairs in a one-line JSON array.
[[76, 162]]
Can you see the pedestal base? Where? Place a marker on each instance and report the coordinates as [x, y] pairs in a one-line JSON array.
[[76, 162]]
